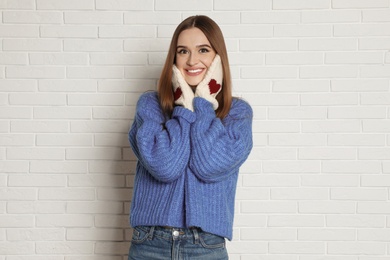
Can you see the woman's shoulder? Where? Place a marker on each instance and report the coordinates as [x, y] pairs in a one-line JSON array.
[[240, 106], [148, 98]]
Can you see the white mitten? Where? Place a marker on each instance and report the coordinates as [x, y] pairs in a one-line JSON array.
[[211, 85], [182, 92]]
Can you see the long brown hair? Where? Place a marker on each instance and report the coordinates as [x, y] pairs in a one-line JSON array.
[[214, 34]]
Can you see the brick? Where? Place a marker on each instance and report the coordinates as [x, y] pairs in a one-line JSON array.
[[374, 235], [13, 58], [375, 71], [346, 30], [146, 45], [18, 31], [93, 45], [94, 72], [272, 99], [374, 43], [93, 154], [326, 207], [276, 126], [16, 221], [273, 17], [152, 18], [357, 167], [359, 112], [35, 234], [32, 17], [82, 234], [31, 257], [37, 72], [249, 247], [298, 140], [326, 234], [246, 59], [373, 207], [28, 207], [95, 99], [381, 126], [298, 58], [136, 85], [291, 167], [30, 45], [336, 126], [278, 180], [268, 234], [245, 5], [127, 31], [16, 248], [115, 140], [112, 221], [273, 153], [96, 180], [175, 5], [92, 17], [268, 207], [297, 113], [28, 180], [142, 72], [94, 207], [64, 220], [35, 153], [252, 193], [269, 72], [20, 5], [356, 248], [119, 5], [359, 85], [330, 180], [64, 247], [63, 140], [113, 113], [37, 99], [299, 5], [58, 58], [69, 31], [16, 140], [356, 221], [111, 167], [328, 44], [358, 194], [110, 194], [301, 85], [374, 154], [58, 167], [68, 85], [305, 30], [118, 59], [356, 140], [39, 127], [359, 4], [309, 72], [65, 5], [10, 85], [299, 194], [268, 44], [296, 221], [354, 58], [307, 153], [66, 194], [114, 126], [13, 167], [297, 247], [62, 113], [376, 16], [112, 248], [12, 194], [380, 180], [332, 16]]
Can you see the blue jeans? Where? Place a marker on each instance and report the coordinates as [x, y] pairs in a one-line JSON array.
[[176, 244]]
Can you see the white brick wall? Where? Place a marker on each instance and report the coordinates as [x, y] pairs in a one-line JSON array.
[[317, 73]]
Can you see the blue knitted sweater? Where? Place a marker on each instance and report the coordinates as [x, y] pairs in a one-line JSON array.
[[188, 164]]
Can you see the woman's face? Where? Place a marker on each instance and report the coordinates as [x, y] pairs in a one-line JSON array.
[[194, 55]]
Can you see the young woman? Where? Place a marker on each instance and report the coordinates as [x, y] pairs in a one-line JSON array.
[[190, 138]]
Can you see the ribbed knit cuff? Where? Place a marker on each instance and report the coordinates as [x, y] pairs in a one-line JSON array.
[[204, 106], [185, 113]]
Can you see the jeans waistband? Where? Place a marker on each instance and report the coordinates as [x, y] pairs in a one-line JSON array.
[[172, 232]]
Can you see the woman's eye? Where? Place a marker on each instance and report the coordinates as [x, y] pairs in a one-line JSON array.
[[182, 51], [203, 50]]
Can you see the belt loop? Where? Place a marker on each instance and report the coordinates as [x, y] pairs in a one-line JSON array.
[[151, 231], [196, 235]]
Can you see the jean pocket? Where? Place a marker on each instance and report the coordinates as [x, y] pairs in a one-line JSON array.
[[211, 241], [139, 235]]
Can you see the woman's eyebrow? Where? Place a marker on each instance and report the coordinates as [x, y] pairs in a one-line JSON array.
[[197, 46]]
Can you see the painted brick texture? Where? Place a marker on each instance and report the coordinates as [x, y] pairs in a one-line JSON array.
[[317, 74]]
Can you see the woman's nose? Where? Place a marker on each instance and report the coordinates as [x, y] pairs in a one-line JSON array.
[[192, 59]]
